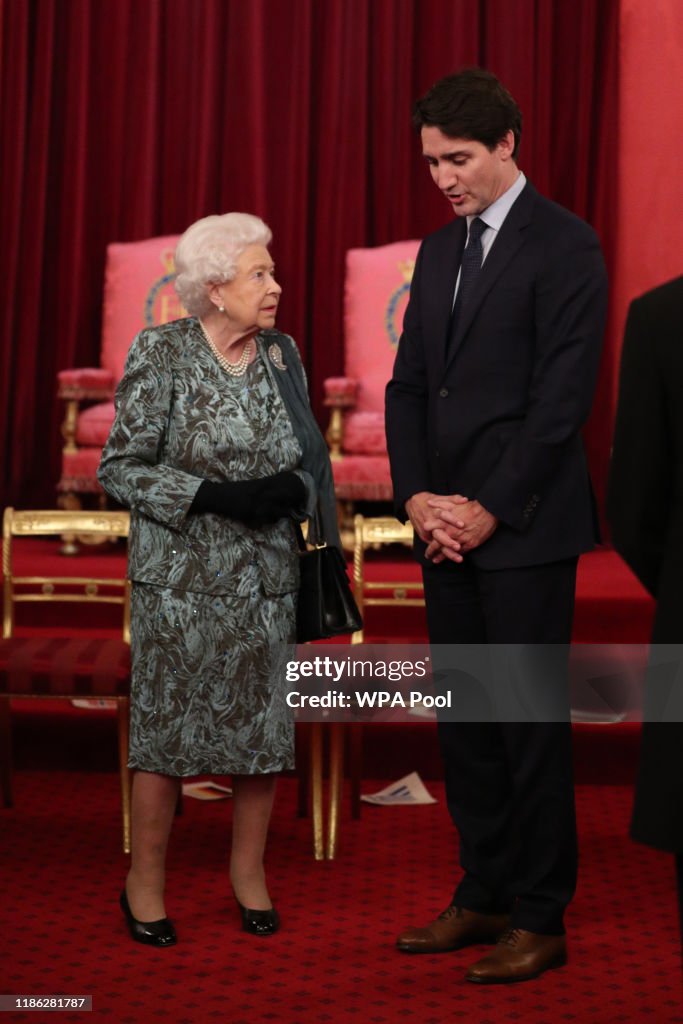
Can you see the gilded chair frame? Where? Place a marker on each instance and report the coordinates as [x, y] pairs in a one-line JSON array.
[[370, 533], [17, 590], [373, 533]]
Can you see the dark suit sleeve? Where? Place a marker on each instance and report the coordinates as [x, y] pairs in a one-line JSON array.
[[406, 406], [570, 311], [638, 497]]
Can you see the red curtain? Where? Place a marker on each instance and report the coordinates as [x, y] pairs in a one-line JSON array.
[[123, 119]]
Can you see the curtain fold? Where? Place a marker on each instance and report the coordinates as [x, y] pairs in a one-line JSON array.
[[123, 119]]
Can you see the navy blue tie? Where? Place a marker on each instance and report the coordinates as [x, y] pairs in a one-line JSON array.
[[470, 265]]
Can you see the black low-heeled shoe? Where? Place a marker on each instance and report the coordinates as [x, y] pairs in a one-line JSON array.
[[259, 922], [152, 933]]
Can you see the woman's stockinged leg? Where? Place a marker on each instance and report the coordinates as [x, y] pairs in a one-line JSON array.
[[153, 807], [253, 797]]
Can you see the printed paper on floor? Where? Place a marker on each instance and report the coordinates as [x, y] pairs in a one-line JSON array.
[[408, 790]]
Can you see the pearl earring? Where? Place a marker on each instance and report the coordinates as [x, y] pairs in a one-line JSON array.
[[221, 309]]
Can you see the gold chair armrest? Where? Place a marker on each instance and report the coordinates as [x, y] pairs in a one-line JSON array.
[[340, 394]]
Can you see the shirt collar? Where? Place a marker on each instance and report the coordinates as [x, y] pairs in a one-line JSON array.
[[494, 215]]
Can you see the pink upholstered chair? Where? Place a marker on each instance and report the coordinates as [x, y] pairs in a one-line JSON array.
[[377, 286], [138, 292]]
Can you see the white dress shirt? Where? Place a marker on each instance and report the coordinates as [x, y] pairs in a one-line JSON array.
[[493, 217]]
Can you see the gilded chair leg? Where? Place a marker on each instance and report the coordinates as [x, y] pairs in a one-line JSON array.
[[6, 752], [124, 772], [355, 766], [336, 781], [317, 789], [345, 513], [71, 503], [303, 760]]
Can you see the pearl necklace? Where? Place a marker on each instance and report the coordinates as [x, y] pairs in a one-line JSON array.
[[234, 369]]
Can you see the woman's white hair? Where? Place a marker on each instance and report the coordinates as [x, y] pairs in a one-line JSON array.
[[208, 251]]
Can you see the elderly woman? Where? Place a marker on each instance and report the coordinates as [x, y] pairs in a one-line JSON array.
[[215, 450]]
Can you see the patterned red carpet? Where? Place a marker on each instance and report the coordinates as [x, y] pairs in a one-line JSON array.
[[61, 930]]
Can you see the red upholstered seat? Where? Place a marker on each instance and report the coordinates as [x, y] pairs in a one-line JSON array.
[[363, 478], [64, 667], [94, 424]]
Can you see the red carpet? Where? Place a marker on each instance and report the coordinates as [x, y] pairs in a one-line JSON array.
[[61, 930]]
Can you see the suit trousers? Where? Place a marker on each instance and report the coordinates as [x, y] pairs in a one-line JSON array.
[[509, 785], [679, 883]]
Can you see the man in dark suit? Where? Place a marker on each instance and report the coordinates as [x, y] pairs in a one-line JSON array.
[[493, 378], [645, 511]]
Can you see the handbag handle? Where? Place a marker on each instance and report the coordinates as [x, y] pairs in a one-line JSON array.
[[303, 547]]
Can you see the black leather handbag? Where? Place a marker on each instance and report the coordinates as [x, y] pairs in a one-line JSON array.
[[326, 605]]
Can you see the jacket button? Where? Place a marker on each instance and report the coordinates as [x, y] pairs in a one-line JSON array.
[[443, 393]]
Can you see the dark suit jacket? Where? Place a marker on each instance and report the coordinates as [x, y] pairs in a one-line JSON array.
[[645, 511], [499, 420]]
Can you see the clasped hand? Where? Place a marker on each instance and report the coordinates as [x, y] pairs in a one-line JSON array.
[[277, 495], [450, 525], [255, 502]]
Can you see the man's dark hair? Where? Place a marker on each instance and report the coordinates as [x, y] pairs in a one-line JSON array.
[[470, 104]]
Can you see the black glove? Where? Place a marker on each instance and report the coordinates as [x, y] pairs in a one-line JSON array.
[[253, 502], [279, 495], [234, 499]]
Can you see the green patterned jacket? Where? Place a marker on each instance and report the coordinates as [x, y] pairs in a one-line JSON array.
[[177, 423]]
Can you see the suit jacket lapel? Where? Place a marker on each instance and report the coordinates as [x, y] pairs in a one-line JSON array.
[[443, 288], [510, 239]]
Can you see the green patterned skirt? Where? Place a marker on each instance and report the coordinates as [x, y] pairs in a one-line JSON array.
[[208, 689]]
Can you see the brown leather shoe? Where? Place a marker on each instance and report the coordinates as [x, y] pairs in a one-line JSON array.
[[455, 928], [519, 955]]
